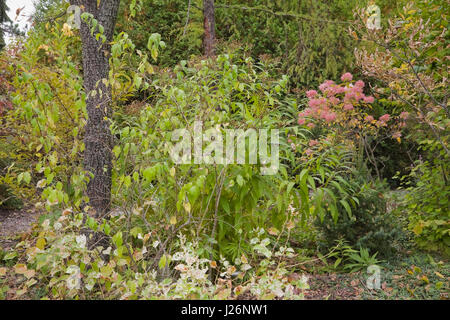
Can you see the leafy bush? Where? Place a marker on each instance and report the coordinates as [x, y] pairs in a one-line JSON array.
[[167, 18], [220, 204], [427, 202], [370, 225], [58, 264]]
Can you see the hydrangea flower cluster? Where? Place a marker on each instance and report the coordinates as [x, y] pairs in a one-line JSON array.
[[344, 103]]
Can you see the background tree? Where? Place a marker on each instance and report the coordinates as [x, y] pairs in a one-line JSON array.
[[209, 25], [3, 19], [98, 138]]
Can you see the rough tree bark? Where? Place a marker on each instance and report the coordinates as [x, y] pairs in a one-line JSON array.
[[98, 139], [209, 27]]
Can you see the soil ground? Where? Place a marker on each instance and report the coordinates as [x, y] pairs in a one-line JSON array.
[[14, 223]]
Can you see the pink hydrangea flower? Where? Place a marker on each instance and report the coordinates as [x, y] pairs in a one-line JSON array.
[[404, 115], [359, 84], [334, 101], [340, 89], [357, 90], [311, 93], [369, 99], [324, 86], [348, 106], [385, 118], [329, 117], [314, 103], [369, 118], [347, 77], [349, 96]]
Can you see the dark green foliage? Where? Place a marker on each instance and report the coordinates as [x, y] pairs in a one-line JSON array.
[[309, 37], [371, 226], [167, 18], [7, 199], [393, 158], [3, 18]]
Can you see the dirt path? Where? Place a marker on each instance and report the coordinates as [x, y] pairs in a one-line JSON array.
[[14, 223]]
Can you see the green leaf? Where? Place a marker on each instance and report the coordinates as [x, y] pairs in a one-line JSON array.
[[26, 177], [117, 239], [10, 255], [162, 262]]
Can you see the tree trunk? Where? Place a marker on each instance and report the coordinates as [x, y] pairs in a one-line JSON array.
[[209, 27], [98, 139]]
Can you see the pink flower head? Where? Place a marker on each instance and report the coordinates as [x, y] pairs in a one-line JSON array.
[[312, 143], [347, 77], [324, 86], [385, 118], [369, 99], [340, 90], [314, 103], [311, 93], [348, 106], [323, 102], [404, 115], [359, 84], [301, 121], [359, 96], [369, 118], [310, 125], [357, 90], [329, 117], [349, 96], [334, 101]]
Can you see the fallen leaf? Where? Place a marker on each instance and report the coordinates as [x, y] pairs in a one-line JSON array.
[[425, 278], [29, 273], [40, 243], [354, 283], [20, 268]]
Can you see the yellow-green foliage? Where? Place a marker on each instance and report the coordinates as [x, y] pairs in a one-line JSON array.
[[45, 126]]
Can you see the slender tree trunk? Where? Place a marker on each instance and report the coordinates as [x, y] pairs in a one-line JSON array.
[[209, 27], [98, 139]]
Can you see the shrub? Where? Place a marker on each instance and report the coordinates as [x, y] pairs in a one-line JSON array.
[[370, 225], [427, 201]]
